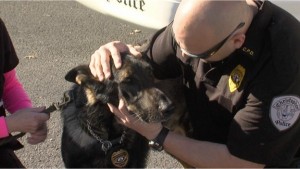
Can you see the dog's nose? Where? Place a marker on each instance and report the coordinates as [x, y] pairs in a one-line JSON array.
[[168, 110]]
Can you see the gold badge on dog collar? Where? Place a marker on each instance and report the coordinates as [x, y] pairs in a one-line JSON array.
[[120, 158]]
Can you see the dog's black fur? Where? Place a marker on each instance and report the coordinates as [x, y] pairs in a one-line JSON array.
[[134, 82]]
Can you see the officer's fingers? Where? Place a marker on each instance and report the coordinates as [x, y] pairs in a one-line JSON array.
[[124, 111], [116, 56], [95, 65], [137, 48], [122, 106], [133, 50], [98, 65], [92, 64], [120, 116], [117, 48], [113, 109], [104, 62]]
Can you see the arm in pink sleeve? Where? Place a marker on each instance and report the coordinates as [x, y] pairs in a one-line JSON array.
[[14, 95], [3, 127], [14, 98]]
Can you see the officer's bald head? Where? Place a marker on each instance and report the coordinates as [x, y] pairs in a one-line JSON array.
[[209, 20]]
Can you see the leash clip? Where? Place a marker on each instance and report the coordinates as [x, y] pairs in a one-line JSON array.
[[59, 105]]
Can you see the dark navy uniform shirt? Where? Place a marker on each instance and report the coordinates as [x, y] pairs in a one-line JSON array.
[[249, 101]]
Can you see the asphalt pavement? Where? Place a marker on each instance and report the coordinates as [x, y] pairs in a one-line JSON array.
[[50, 38]]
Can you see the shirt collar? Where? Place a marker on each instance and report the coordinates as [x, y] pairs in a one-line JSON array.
[[257, 32]]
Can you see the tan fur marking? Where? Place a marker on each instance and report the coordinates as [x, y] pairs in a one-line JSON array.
[[90, 96], [80, 78], [124, 74]]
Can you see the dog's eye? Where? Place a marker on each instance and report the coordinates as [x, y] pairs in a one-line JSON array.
[[128, 80], [129, 89]]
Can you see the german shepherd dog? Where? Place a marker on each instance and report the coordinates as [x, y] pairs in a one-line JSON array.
[[92, 138]]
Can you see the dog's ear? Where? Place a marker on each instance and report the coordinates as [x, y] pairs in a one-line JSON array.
[[79, 74]]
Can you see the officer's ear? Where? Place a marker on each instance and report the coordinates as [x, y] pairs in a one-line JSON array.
[[238, 40]]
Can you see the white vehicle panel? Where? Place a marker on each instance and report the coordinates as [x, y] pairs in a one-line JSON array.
[[155, 14]]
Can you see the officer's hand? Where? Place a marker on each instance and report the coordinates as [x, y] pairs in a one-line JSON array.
[[148, 130], [100, 60]]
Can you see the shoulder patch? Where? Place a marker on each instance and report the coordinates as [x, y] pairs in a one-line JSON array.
[[284, 111]]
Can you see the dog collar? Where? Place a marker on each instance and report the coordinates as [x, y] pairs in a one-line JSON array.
[[106, 144], [117, 156]]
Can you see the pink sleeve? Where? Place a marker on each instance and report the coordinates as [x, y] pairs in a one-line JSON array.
[[14, 95], [14, 98], [3, 128]]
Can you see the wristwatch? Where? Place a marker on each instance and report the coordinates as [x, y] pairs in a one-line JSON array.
[[157, 143]]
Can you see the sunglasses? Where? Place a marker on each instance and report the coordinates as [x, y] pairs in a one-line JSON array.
[[211, 51]]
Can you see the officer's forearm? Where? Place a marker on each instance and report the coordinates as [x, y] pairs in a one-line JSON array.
[[204, 154]]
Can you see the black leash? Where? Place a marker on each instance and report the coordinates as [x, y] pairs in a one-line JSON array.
[[53, 107]]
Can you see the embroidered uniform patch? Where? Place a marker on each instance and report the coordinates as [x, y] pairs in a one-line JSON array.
[[284, 111], [236, 77]]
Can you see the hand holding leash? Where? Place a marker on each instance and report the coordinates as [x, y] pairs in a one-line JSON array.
[[28, 120], [40, 133]]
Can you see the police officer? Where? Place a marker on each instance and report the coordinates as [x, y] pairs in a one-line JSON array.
[[241, 66]]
